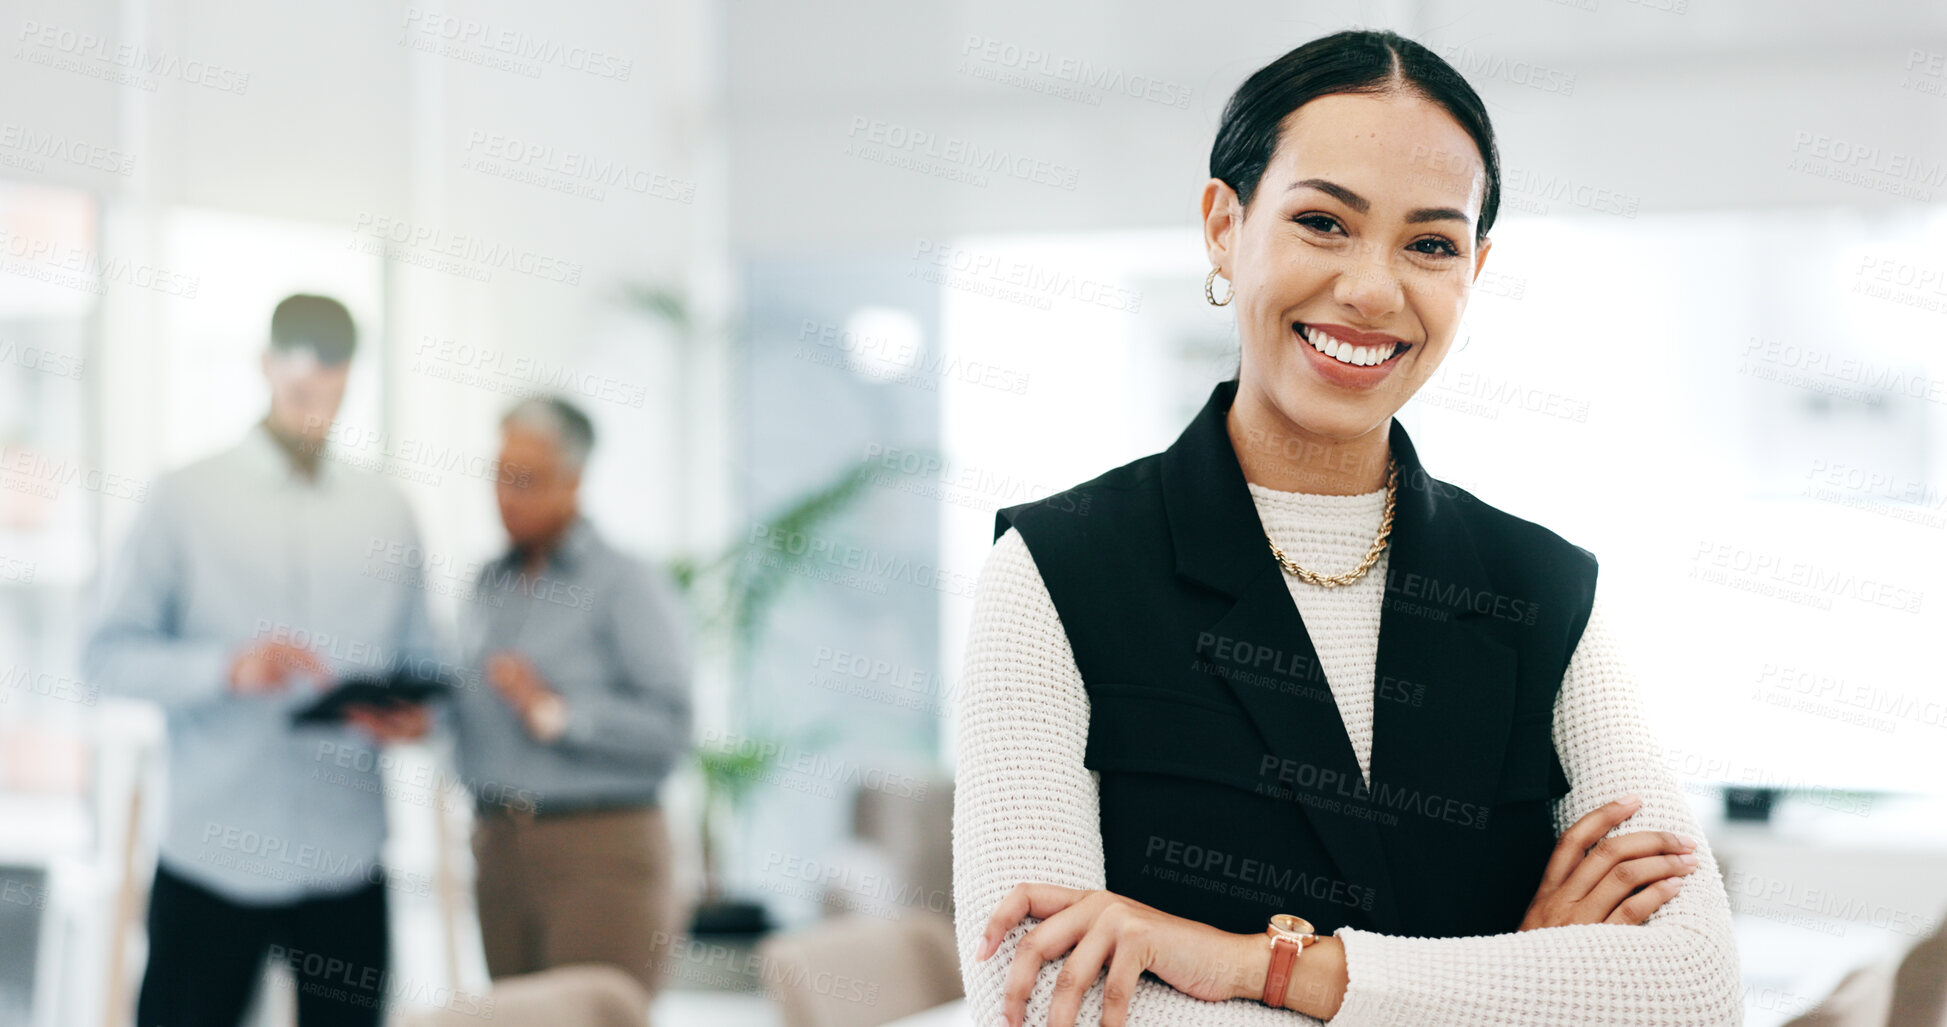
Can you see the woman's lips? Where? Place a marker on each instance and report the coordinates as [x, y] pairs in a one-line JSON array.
[[1377, 358]]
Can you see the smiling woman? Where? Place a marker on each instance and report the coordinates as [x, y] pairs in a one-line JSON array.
[[1354, 180], [1284, 726]]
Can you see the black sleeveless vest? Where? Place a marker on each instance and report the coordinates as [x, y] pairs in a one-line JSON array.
[[1229, 789]]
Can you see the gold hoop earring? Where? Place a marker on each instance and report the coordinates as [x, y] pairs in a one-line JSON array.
[[1210, 289]]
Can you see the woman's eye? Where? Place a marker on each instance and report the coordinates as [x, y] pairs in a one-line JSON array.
[[1439, 247], [1316, 222]]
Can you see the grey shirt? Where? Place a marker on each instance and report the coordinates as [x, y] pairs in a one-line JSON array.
[[606, 632], [238, 549]]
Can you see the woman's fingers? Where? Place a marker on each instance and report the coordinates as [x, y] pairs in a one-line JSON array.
[[1119, 987], [1012, 908], [1638, 907], [1583, 833], [1078, 972], [1608, 853], [1038, 900], [1594, 877], [1050, 939], [1626, 878]]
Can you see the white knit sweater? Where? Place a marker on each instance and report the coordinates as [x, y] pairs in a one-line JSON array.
[[1025, 809]]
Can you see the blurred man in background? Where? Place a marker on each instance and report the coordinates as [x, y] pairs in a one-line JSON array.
[[242, 591], [587, 658]]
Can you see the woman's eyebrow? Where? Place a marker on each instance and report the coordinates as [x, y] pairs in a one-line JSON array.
[[1361, 205], [1435, 214], [1342, 194]]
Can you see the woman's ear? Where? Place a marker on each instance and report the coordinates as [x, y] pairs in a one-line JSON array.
[[1221, 216], [1480, 256]]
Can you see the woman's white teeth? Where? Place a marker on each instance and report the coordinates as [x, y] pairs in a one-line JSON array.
[[1345, 352]]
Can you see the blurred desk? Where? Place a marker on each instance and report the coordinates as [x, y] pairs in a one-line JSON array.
[[37, 829], [952, 1014], [715, 962], [1826, 887], [712, 1009], [46, 892]]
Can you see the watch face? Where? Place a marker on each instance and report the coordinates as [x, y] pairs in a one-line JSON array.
[[1285, 923]]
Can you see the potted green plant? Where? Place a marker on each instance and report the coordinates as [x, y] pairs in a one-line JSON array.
[[734, 594]]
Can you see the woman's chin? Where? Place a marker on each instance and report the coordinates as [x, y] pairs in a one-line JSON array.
[[1328, 412]]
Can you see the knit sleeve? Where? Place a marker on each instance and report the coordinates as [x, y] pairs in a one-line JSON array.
[[1677, 969], [1025, 808]]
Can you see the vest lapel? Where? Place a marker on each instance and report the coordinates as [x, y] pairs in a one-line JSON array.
[[1260, 649], [1262, 653], [1445, 683]]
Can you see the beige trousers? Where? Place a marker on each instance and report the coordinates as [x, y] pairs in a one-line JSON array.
[[578, 888]]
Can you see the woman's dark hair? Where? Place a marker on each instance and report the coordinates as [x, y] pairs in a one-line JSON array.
[[1354, 61]]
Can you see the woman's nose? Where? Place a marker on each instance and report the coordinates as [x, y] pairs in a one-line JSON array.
[[1369, 285]]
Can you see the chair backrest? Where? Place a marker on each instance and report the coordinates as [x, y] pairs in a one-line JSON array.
[[580, 995], [1860, 1000], [912, 829], [1920, 986], [861, 971], [1910, 993]]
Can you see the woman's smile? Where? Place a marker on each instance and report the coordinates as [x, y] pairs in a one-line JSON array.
[[1349, 358]]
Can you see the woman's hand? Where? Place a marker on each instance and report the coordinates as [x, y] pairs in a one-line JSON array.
[[1105, 929], [1592, 879]]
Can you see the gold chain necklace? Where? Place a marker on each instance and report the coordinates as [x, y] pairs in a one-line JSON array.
[[1372, 555]]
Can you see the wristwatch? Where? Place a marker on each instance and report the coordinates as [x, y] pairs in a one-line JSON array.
[[547, 719], [1289, 935]]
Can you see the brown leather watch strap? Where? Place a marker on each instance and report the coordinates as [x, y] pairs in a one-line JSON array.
[[1288, 935], [1284, 952]]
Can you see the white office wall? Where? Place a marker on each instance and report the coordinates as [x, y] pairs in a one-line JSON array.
[[1696, 110], [373, 121]]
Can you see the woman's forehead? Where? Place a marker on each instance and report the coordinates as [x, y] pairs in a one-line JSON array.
[[1399, 142]]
